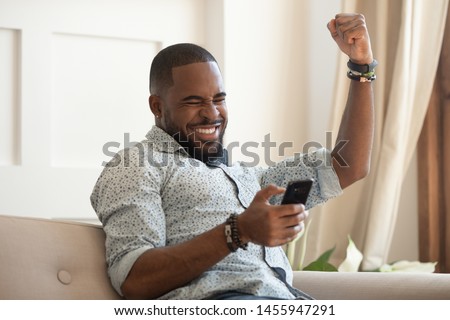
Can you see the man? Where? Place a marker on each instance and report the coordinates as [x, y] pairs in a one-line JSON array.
[[181, 223]]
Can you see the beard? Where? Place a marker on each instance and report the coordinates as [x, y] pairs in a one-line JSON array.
[[205, 151]]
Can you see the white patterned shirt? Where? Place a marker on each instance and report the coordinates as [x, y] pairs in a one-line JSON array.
[[155, 195]]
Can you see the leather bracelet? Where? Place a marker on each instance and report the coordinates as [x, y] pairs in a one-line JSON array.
[[362, 68]]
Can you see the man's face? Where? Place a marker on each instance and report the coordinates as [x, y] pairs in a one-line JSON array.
[[193, 110]]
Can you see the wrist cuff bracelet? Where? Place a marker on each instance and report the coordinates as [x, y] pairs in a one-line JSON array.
[[362, 68]]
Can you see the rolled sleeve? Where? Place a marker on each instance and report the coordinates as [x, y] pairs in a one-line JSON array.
[[119, 271], [315, 165], [128, 203], [327, 177]]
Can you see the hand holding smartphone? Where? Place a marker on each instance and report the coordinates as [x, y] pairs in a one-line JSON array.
[[297, 191]]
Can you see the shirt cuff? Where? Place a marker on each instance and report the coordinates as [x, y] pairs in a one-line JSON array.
[[328, 179], [119, 271]]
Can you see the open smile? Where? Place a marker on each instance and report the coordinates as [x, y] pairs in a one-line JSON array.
[[207, 132]]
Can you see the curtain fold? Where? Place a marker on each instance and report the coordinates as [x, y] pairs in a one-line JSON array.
[[406, 38], [434, 173]]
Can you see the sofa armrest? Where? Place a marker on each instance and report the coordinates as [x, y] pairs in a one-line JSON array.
[[373, 285]]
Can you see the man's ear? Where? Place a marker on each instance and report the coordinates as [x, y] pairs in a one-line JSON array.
[[155, 105]]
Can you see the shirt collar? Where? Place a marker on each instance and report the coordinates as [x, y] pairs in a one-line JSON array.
[[163, 142]]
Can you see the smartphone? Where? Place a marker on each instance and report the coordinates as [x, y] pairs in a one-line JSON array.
[[297, 191]]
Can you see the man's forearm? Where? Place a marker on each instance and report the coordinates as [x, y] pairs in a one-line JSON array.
[[161, 270], [351, 156]]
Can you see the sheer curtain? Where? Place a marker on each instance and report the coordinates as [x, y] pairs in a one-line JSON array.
[[406, 38]]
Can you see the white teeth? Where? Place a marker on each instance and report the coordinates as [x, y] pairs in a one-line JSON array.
[[205, 131]]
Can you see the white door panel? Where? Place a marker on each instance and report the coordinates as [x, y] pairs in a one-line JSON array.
[[9, 84]]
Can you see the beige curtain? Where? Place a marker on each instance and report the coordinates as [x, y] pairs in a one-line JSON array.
[[406, 38], [433, 170]]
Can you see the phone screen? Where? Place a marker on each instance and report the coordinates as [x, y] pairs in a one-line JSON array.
[[297, 191]]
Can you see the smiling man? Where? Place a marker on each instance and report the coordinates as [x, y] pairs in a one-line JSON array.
[[186, 224], [191, 107]]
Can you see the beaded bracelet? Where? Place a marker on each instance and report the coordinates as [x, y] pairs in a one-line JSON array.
[[232, 234], [361, 77], [228, 235], [362, 72]]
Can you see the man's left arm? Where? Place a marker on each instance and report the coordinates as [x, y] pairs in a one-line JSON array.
[[351, 155]]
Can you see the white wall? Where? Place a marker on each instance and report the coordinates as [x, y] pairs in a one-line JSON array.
[[275, 59], [265, 73]]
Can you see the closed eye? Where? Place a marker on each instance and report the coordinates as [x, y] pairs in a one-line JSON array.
[[218, 99], [193, 103]]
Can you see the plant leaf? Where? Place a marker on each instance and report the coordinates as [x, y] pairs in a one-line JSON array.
[[322, 264], [353, 258]]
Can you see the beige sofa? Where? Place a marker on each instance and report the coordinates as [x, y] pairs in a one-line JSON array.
[[48, 259]]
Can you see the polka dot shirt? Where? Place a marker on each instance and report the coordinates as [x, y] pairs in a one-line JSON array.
[[154, 195]]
